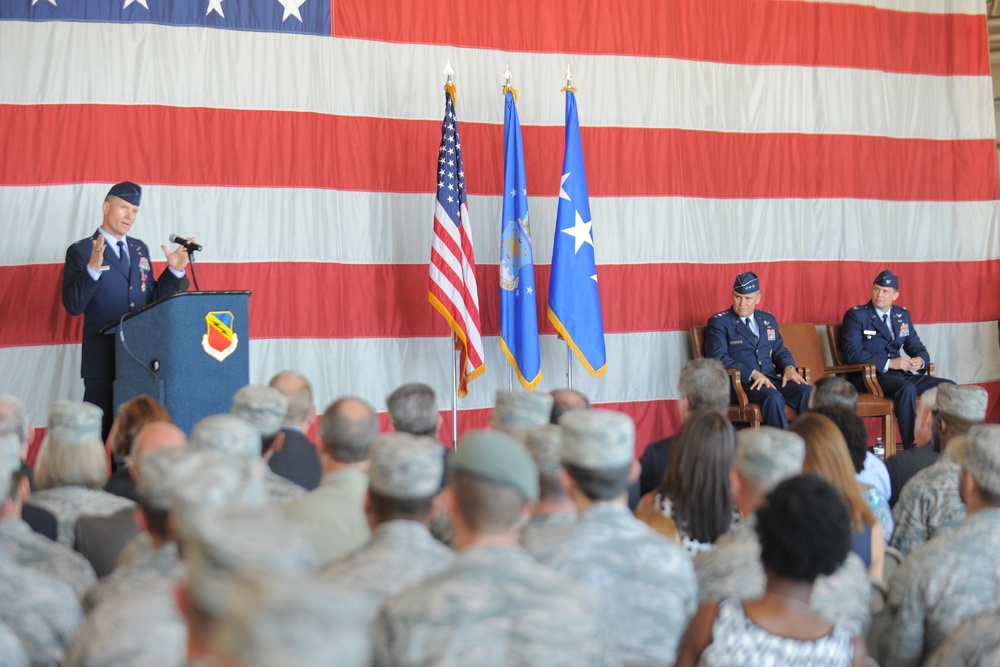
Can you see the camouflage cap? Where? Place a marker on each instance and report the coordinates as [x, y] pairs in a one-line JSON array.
[[968, 402], [227, 544], [979, 453], [544, 444], [521, 410], [206, 482], [229, 434], [406, 466], [768, 455], [10, 461], [264, 407], [597, 439], [156, 476], [294, 622], [73, 423], [499, 458]]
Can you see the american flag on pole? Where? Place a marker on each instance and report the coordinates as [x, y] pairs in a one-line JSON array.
[[452, 288]]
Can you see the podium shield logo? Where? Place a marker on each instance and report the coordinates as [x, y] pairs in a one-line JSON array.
[[220, 340]]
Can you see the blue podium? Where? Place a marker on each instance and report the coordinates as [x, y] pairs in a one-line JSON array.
[[190, 351]]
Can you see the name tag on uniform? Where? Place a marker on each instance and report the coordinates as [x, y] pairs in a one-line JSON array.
[[904, 330], [735, 342], [868, 333], [770, 334]]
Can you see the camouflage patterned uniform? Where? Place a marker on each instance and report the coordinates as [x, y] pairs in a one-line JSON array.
[[940, 584], [733, 570], [29, 549], [66, 503], [494, 606], [280, 490], [400, 554], [645, 584], [11, 649], [43, 612], [154, 564], [928, 505], [142, 629], [975, 643], [545, 532]]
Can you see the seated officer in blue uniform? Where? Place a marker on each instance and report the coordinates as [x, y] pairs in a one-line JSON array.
[[107, 275], [748, 340], [874, 333]]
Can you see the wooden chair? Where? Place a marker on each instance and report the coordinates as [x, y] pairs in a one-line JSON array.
[[743, 412], [871, 402]]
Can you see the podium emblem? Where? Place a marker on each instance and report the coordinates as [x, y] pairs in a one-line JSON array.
[[220, 340]]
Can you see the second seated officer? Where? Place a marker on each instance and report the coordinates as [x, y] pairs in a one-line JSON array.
[[749, 340]]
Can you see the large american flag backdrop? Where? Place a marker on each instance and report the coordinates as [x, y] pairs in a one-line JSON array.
[[812, 142]]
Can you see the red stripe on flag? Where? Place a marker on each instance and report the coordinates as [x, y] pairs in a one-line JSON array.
[[747, 33], [635, 298], [633, 161]]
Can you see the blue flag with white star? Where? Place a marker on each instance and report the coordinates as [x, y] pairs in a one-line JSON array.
[[518, 315], [574, 298]]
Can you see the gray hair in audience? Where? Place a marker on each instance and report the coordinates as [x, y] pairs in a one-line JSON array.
[[14, 417], [413, 409], [72, 453], [348, 429], [227, 433], [298, 390], [705, 383], [835, 391], [10, 462]]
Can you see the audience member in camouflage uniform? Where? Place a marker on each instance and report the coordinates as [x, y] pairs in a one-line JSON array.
[[161, 561], [517, 412], [292, 622], [332, 515], [553, 517], [494, 605], [929, 503], [405, 476], [225, 547], [765, 457], [265, 407], [203, 483], [72, 468], [974, 643], [26, 547], [41, 611], [644, 583], [957, 573]]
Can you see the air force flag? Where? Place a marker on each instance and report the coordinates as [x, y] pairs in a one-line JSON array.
[[518, 314], [574, 298]]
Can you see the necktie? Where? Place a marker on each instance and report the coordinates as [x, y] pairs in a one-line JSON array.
[[123, 256], [746, 321], [885, 319]]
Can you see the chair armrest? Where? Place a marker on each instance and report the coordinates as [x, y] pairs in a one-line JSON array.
[[741, 394], [930, 369], [867, 373], [804, 372]]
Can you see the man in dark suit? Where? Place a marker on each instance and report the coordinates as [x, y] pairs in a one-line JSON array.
[[292, 455], [874, 333], [749, 340], [106, 276]]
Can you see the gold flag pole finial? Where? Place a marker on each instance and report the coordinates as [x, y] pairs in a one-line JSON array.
[[449, 84], [507, 87], [569, 81]]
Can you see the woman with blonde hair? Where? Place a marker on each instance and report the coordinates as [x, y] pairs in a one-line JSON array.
[[132, 416], [828, 458], [71, 468]]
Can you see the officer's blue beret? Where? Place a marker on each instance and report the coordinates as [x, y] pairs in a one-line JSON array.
[[126, 190], [887, 279], [746, 283]]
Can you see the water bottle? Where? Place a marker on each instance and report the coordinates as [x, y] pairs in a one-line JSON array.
[[879, 449]]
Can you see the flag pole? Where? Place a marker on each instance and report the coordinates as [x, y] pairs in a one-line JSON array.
[[455, 370], [569, 367], [507, 77]]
